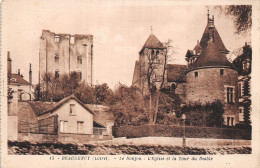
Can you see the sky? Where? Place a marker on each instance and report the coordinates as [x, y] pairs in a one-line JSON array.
[[119, 29]]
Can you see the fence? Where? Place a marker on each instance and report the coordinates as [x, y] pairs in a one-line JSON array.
[[44, 126], [178, 131], [99, 131]]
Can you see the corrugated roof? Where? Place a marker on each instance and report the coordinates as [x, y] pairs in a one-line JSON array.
[[15, 78], [211, 56], [153, 42], [175, 73], [217, 40]]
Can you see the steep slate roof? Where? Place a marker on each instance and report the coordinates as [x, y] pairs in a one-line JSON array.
[[43, 107], [211, 56], [136, 76], [217, 40], [15, 78], [153, 42], [175, 72]]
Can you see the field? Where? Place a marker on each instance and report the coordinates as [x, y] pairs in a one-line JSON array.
[[27, 148]]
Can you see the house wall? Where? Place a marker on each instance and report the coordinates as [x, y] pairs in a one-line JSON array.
[[25, 89], [68, 53], [12, 133], [81, 114], [210, 86]]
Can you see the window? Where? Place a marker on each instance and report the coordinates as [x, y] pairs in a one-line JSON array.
[[80, 126], [80, 75], [72, 39], [57, 39], [56, 57], [79, 59], [72, 109], [241, 114], [57, 75], [63, 126], [157, 52], [230, 93], [240, 89], [221, 72], [196, 74], [228, 120]]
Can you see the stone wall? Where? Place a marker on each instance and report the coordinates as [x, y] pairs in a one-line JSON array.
[[209, 86], [64, 138], [67, 51]]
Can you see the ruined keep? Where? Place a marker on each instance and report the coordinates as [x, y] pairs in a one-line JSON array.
[[65, 53]]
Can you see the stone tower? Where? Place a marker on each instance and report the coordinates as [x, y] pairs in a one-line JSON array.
[[210, 76], [65, 53], [151, 56]]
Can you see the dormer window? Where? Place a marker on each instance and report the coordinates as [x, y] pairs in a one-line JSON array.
[[57, 38], [79, 59]]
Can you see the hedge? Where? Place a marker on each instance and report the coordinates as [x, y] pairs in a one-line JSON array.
[[177, 131]]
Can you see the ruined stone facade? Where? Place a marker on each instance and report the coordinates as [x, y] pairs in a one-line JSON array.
[[65, 53]]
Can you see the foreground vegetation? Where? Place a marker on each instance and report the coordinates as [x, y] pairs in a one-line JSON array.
[[27, 148]]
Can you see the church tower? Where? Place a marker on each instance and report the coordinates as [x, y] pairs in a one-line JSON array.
[[151, 63], [210, 76]]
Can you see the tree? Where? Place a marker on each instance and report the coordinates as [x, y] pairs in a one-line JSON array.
[[242, 15], [127, 105], [55, 89], [152, 76], [209, 114]]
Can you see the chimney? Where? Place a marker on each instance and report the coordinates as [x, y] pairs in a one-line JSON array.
[[30, 74], [19, 72], [9, 66]]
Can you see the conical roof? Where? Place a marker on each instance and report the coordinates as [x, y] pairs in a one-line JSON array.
[[153, 42], [217, 40], [211, 56]]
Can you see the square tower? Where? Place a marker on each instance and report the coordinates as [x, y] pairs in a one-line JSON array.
[[65, 53]]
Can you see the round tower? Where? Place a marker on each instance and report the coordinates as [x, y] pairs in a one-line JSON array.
[[211, 77]]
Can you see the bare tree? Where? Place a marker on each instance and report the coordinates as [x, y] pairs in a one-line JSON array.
[[153, 77]]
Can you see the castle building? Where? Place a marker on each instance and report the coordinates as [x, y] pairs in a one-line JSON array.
[[243, 65], [210, 76], [65, 53], [207, 77]]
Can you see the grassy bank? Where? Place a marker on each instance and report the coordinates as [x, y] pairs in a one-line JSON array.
[[27, 148]]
